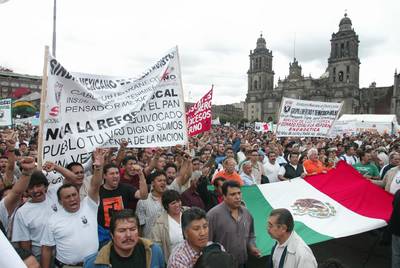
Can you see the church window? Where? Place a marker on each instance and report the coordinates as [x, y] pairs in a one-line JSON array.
[[341, 76], [334, 74], [348, 69], [270, 105], [347, 48], [342, 54], [255, 84], [336, 54]]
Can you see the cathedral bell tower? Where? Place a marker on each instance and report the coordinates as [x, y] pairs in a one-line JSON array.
[[260, 79], [344, 66]]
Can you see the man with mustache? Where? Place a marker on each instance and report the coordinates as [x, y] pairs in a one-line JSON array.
[[126, 249], [31, 218], [72, 231]]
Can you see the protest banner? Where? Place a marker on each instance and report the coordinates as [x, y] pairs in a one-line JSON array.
[[340, 128], [300, 118], [5, 112], [263, 127], [199, 115], [85, 111]]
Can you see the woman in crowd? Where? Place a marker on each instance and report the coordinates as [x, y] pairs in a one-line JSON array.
[[167, 229]]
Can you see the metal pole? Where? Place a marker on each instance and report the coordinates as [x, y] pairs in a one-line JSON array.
[[54, 28]]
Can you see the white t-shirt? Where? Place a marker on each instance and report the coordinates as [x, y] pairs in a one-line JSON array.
[[3, 214], [395, 183], [175, 232], [31, 218], [73, 234], [271, 171]]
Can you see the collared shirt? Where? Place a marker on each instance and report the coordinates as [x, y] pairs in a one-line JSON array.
[[148, 211], [184, 256], [234, 235], [276, 257], [271, 171]]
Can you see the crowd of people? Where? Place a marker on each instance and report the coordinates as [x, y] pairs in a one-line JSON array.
[[175, 207]]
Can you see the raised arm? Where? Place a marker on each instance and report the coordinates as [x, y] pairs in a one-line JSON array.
[[11, 201], [121, 152], [186, 170], [98, 163], [142, 193], [66, 173], [9, 174]]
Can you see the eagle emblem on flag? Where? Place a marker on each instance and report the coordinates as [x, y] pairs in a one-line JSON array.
[[313, 208]]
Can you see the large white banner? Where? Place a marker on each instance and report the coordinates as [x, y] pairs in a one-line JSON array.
[[5, 112], [300, 118], [340, 128], [85, 111]]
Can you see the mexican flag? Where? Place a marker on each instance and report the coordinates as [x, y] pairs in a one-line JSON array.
[[326, 206]]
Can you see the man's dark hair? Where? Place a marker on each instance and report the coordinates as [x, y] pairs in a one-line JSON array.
[[109, 166], [229, 184], [190, 215], [283, 217], [218, 179], [127, 159], [294, 153], [168, 165], [195, 159], [347, 147], [122, 215], [361, 154], [168, 197], [73, 164], [156, 174], [214, 257], [38, 178], [64, 186]]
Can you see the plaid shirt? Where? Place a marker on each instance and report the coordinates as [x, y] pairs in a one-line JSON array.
[[184, 256]]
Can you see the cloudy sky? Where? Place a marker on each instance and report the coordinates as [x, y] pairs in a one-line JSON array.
[[123, 37]]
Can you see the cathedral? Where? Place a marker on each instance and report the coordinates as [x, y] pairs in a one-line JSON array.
[[340, 82]]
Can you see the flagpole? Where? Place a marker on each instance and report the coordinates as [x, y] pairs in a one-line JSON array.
[[54, 28], [43, 96]]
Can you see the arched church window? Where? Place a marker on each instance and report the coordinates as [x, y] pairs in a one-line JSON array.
[[255, 84], [342, 52], [341, 76]]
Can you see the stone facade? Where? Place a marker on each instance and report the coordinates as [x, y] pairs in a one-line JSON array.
[[10, 82], [340, 82]]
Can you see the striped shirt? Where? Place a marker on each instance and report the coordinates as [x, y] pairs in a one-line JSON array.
[[148, 211], [184, 256]]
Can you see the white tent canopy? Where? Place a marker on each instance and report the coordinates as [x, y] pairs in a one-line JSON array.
[[382, 123]]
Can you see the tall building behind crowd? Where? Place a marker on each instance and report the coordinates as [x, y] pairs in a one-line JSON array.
[[339, 83]]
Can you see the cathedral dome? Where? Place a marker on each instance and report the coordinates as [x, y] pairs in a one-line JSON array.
[[345, 23], [261, 42]]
